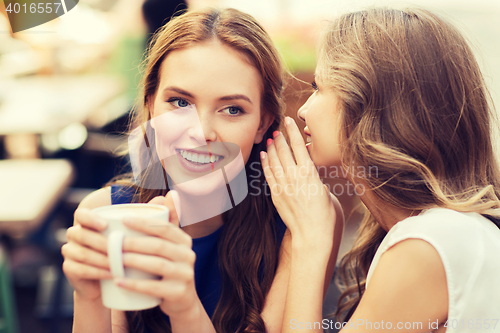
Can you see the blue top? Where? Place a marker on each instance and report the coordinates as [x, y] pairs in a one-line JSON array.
[[208, 278]]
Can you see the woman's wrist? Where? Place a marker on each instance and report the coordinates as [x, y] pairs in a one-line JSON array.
[[312, 245], [193, 319], [187, 315], [90, 315], [81, 298]]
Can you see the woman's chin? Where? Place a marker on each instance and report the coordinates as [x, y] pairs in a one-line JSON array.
[[209, 184]]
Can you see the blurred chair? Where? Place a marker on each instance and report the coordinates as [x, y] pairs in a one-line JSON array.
[[8, 314]]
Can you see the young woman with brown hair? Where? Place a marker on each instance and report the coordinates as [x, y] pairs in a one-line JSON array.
[[398, 90], [223, 62]]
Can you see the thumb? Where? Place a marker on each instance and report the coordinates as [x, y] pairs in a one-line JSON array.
[[327, 191], [173, 203], [159, 200]]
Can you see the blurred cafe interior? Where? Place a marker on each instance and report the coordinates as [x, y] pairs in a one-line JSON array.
[[67, 88]]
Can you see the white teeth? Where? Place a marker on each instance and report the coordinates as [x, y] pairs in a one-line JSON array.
[[309, 139], [199, 158]]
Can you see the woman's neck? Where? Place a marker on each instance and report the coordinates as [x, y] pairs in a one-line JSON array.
[[204, 228], [386, 214], [201, 214]]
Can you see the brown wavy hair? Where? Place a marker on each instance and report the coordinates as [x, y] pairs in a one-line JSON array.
[[414, 104], [248, 247]]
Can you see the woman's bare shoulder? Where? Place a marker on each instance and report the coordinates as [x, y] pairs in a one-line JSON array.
[[99, 198]]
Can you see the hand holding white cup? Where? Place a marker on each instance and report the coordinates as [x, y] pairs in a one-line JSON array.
[[113, 296]]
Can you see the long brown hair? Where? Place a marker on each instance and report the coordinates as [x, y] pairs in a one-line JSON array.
[[414, 105], [248, 249]]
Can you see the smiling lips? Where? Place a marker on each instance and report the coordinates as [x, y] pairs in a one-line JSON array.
[[196, 161], [308, 135], [198, 157]]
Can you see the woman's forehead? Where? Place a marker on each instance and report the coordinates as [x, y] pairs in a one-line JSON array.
[[210, 66]]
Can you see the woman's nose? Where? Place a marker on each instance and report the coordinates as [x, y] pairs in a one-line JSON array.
[[301, 113], [207, 125]]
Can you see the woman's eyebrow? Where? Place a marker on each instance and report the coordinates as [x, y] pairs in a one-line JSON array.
[[223, 98], [179, 91], [236, 96]]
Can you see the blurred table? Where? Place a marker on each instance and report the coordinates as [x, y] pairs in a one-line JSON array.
[[47, 104], [29, 189]]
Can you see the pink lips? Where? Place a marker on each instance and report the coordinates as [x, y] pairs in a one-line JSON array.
[[195, 167], [306, 132]]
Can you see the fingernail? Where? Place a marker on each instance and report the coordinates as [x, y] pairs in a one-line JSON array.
[[288, 120], [119, 281], [109, 275], [263, 155], [102, 223], [275, 134], [269, 141], [128, 220]]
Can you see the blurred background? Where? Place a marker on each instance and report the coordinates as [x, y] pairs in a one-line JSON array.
[[66, 91]]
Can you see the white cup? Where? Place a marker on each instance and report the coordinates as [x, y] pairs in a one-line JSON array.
[[113, 296]]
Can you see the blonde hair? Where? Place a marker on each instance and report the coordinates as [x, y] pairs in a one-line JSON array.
[[414, 104]]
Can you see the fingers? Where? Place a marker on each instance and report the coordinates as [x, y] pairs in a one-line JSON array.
[[85, 253], [159, 247], [280, 159], [88, 238], [268, 173], [169, 290], [283, 151], [297, 142], [173, 203], [84, 217], [159, 266], [159, 228], [83, 271], [274, 163], [76, 252], [159, 200]]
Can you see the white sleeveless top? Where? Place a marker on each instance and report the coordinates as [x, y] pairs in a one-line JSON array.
[[469, 247]]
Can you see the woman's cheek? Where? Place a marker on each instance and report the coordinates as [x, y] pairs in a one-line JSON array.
[[163, 144], [168, 129]]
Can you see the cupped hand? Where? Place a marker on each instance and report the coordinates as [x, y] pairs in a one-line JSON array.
[[302, 200], [85, 254], [167, 252]]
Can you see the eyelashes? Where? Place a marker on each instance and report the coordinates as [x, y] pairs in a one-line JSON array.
[[178, 102], [232, 110], [314, 85]]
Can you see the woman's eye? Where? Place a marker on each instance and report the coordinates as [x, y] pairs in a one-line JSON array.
[[178, 102], [232, 111]]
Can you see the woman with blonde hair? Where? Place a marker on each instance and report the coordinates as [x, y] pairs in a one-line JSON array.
[[399, 91], [229, 272]]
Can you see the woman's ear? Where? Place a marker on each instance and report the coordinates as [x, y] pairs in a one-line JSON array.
[[265, 121]]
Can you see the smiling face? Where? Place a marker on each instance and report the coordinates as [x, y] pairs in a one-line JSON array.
[[206, 109], [322, 117]]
